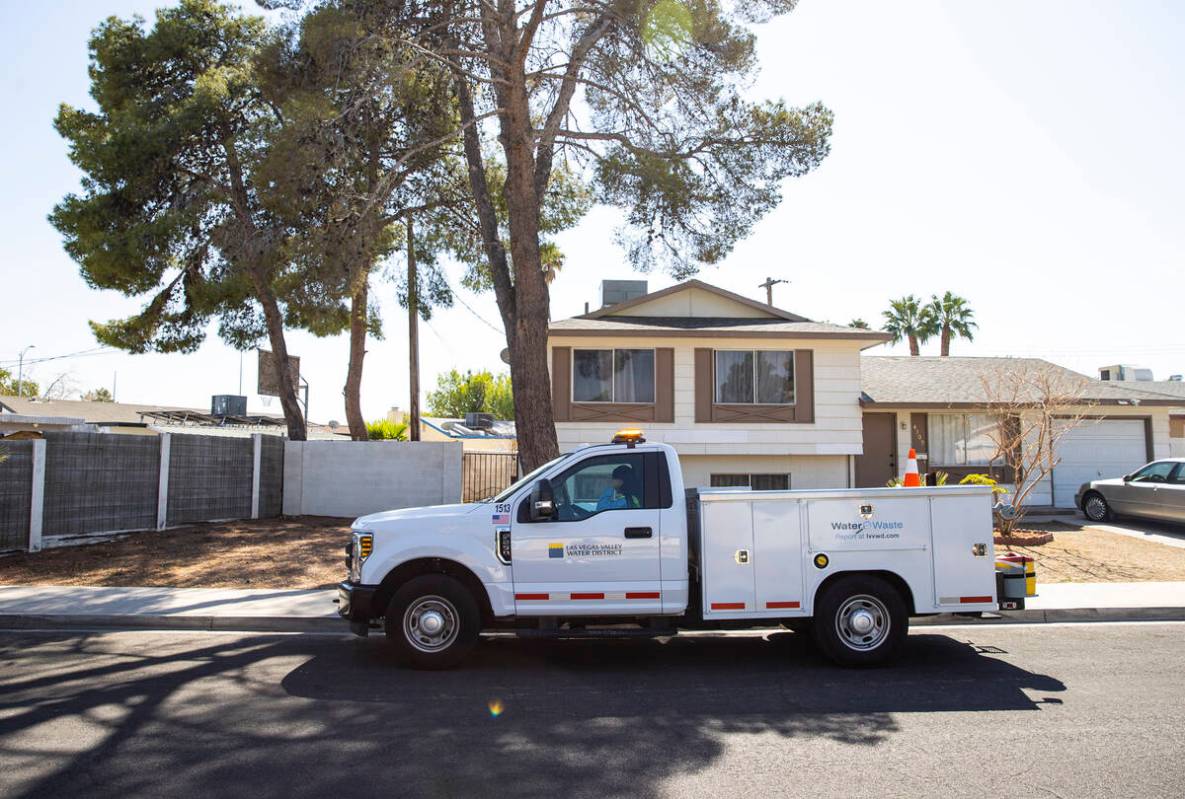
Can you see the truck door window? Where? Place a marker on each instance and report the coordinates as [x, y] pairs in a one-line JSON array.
[[599, 485]]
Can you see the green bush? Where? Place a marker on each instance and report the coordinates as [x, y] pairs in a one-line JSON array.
[[386, 430], [983, 480]]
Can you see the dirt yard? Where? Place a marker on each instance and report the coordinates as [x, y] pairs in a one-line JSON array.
[[305, 552], [1096, 556]]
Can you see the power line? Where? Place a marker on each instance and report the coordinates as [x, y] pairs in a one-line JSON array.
[[79, 354], [480, 318]]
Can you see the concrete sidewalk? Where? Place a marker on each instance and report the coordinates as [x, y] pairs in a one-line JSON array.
[[274, 610], [170, 608]]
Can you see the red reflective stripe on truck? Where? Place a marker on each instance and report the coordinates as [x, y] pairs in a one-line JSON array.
[[532, 596], [642, 594], [728, 606], [974, 600], [588, 596], [773, 605]]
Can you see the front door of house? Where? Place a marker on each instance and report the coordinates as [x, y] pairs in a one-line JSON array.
[[878, 464]]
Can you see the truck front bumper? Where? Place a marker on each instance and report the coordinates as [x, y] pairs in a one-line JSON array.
[[355, 602]]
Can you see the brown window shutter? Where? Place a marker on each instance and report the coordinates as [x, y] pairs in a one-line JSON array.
[[664, 384], [804, 385], [561, 383], [703, 385]]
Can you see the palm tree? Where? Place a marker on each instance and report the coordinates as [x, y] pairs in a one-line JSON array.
[[953, 317], [907, 318], [859, 324]]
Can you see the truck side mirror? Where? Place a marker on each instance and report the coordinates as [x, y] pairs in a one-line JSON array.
[[542, 501]]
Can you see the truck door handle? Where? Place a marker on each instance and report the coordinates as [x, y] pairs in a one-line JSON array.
[[638, 532]]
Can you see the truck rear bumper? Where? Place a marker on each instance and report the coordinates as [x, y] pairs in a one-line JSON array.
[[355, 602]]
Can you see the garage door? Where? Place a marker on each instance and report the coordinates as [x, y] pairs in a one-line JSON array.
[[1098, 449]]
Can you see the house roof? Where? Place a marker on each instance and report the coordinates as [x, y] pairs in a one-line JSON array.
[[963, 382], [124, 413], [93, 412], [1170, 388], [615, 310], [768, 322]]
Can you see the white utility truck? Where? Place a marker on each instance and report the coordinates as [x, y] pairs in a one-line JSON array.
[[605, 541]]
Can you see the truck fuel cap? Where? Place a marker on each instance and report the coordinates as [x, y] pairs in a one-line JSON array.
[[821, 561]]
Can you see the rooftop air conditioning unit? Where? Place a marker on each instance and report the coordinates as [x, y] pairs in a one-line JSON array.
[[228, 405], [479, 421], [614, 292]]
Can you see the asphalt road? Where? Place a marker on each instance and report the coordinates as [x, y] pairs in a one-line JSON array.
[[1072, 711]]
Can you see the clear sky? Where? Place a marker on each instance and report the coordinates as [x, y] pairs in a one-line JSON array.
[[1024, 154]]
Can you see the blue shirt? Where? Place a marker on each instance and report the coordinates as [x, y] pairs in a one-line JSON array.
[[612, 500]]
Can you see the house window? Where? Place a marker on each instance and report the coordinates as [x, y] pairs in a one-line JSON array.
[[613, 376], [963, 439], [764, 377], [757, 482]]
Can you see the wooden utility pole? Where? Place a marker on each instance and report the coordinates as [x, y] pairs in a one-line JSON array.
[[768, 285], [413, 338]]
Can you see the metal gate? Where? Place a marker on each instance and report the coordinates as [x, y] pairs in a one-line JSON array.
[[484, 474]]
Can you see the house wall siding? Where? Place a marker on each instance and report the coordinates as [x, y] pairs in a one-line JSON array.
[[806, 471], [836, 429]]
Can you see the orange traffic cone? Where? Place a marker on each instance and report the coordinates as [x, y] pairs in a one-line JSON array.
[[912, 479]]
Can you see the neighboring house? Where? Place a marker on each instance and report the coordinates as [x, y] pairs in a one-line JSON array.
[[497, 437], [947, 410], [747, 393], [133, 419], [1176, 390]]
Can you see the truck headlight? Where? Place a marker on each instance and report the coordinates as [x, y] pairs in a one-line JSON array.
[[363, 546]]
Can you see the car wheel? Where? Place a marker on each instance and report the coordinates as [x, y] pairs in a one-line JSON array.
[[432, 621], [1095, 507], [861, 621]]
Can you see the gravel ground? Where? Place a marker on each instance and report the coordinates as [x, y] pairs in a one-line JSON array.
[[1096, 556], [293, 553]]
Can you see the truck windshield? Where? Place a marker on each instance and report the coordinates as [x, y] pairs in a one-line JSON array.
[[506, 494]]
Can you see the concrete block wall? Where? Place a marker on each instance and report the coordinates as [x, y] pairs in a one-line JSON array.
[[76, 484], [354, 478], [16, 478]]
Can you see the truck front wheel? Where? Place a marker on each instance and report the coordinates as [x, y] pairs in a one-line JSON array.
[[432, 621], [860, 620]]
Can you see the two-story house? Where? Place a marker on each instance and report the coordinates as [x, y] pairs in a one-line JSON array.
[[748, 394]]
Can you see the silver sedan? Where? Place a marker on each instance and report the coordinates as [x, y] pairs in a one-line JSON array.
[[1155, 491]]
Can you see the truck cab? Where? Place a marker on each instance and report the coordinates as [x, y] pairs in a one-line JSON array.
[[607, 540]]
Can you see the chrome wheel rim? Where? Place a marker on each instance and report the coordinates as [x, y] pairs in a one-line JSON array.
[[1096, 508], [862, 622], [430, 624]]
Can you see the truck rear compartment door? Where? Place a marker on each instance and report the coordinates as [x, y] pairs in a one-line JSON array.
[[964, 558], [727, 541]]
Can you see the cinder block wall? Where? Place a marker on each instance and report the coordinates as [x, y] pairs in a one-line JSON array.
[[16, 475], [353, 478], [98, 482], [209, 478]]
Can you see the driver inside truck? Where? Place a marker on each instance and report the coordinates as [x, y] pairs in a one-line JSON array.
[[622, 492]]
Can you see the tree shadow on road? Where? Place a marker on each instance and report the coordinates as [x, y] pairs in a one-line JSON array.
[[325, 716]]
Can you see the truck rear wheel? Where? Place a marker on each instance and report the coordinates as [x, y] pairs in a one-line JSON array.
[[432, 621], [860, 620]]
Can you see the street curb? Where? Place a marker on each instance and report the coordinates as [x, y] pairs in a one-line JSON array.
[[268, 624], [307, 624], [1057, 615]]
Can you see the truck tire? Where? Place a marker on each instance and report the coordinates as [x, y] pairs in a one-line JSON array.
[[432, 621], [861, 620]]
